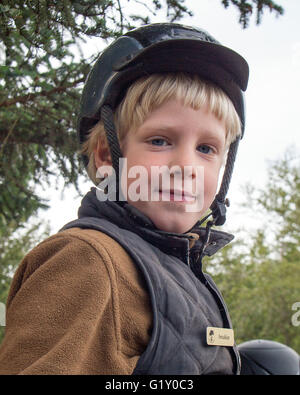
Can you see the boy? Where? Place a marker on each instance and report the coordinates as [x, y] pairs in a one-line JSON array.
[[121, 290]]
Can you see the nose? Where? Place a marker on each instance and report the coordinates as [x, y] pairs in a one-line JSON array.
[[183, 160]]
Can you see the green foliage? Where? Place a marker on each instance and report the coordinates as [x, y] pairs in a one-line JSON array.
[[259, 276]]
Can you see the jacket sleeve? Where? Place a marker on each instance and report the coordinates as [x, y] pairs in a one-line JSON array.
[[64, 313]]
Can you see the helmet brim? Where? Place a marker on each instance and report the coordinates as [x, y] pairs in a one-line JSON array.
[[191, 55]]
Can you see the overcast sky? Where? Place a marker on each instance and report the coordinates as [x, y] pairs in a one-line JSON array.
[[272, 50]]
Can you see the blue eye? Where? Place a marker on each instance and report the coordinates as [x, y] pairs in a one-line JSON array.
[[158, 142], [204, 149]]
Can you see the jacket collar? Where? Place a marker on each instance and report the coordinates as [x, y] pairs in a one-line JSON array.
[[128, 217]]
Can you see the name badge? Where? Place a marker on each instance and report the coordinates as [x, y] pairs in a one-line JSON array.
[[219, 336]]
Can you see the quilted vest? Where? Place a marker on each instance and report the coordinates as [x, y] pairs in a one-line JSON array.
[[184, 304]]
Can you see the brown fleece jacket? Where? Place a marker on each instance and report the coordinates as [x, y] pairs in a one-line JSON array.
[[77, 305]]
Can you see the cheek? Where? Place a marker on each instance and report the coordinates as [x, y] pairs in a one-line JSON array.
[[135, 177], [211, 183]]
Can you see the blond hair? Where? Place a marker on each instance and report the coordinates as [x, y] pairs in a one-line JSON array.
[[148, 93]]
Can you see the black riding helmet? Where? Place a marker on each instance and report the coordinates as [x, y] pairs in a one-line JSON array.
[[159, 48], [266, 357]]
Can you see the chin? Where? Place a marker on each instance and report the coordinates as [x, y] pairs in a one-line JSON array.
[[173, 221]]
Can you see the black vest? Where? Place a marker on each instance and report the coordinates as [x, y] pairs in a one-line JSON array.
[[183, 304]]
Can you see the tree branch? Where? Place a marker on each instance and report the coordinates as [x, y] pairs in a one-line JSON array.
[[33, 96]]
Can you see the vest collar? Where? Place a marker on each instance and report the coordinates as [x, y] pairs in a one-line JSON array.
[[181, 245]]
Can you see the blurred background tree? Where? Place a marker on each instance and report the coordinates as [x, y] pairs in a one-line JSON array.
[[259, 276]]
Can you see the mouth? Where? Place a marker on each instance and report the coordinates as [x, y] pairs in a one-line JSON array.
[[176, 195]]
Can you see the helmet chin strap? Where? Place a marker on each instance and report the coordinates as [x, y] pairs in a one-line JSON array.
[[218, 206], [107, 117]]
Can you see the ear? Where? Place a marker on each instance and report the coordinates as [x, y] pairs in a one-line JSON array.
[[102, 154]]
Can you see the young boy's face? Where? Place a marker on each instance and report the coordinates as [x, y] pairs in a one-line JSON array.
[[194, 142]]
